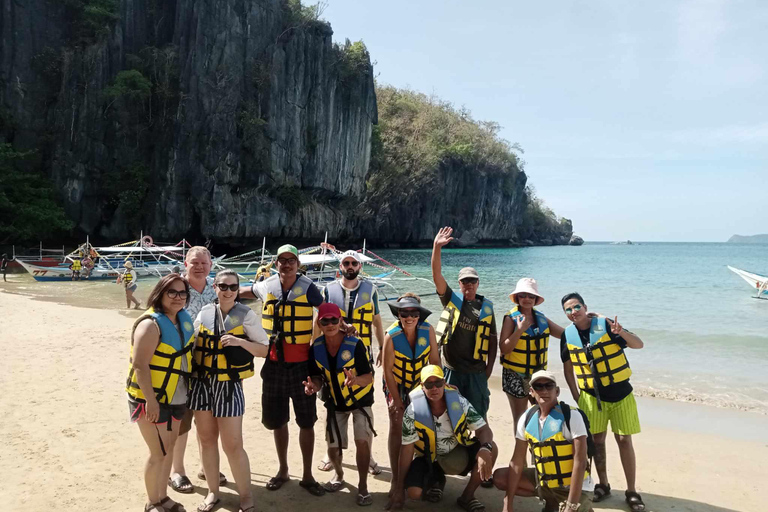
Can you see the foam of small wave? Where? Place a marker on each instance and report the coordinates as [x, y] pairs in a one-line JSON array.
[[722, 401]]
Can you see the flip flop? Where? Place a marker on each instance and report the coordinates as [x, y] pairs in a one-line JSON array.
[[153, 507], [634, 501], [374, 469], [313, 488], [333, 486], [472, 505], [182, 484], [276, 482], [433, 495], [325, 465], [222, 477], [604, 492], [177, 507], [207, 507], [364, 500]]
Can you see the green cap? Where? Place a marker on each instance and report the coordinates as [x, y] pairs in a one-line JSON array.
[[288, 248]]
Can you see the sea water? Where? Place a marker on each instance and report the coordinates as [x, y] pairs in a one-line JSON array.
[[705, 335]]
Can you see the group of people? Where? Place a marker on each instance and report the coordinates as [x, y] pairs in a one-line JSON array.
[[195, 344]]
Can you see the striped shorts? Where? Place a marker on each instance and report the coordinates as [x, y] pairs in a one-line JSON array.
[[622, 415], [223, 398]]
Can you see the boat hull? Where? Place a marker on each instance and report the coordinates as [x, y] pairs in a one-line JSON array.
[[756, 281]]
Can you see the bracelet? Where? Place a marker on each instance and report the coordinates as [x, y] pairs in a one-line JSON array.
[[567, 505]]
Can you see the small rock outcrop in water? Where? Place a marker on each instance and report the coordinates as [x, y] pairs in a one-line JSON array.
[[223, 119], [576, 240]]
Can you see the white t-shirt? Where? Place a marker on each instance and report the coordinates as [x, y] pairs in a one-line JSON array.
[[251, 325], [578, 428]]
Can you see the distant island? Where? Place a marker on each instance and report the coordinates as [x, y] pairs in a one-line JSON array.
[[751, 239]]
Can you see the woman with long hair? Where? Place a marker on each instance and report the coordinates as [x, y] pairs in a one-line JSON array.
[[229, 336], [162, 340]]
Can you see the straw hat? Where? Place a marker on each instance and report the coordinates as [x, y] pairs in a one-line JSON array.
[[128, 265], [526, 285]]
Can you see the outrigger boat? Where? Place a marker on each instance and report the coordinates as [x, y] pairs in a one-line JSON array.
[[758, 282]]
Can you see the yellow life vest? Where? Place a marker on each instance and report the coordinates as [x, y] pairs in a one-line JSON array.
[[607, 356], [409, 361], [166, 363], [345, 358], [289, 316], [77, 265], [210, 356], [450, 317], [552, 452], [127, 277], [530, 352], [361, 315], [425, 422]]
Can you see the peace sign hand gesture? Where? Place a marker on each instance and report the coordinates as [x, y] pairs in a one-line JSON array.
[[443, 236], [309, 386], [616, 327], [351, 379], [523, 322]]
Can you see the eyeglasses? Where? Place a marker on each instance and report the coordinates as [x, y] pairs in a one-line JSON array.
[[575, 308], [469, 280], [541, 386], [350, 263], [525, 296], [231, 287], [329, 320], [409, 313], [431, 384], [172, 294], [287, 261]]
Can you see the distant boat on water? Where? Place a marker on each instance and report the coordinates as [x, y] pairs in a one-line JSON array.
[[628, 242], [757, 281]]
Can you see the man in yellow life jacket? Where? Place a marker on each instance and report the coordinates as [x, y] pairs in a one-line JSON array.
[[341, 363], [466, 330], [358, 302], [597, 371], [451, 438], [557, 436], [288, 302]]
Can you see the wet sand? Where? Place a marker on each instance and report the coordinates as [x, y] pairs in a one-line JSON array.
[[68, 444]]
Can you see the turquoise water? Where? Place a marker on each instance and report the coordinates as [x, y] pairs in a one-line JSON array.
[[705, 336]]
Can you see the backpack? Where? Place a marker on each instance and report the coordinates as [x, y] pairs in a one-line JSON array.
[[567, 417]]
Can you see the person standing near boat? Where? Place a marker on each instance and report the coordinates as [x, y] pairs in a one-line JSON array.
[[288, 302], [87, 265], [358, 302], [76, 267], [197, 264], [128, 279], [4, 266], [162, 340], [466, 330], [597, 372], [229, 335], [524, 344]]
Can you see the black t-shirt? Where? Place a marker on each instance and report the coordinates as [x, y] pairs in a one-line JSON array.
[[613, 392], [459, 353], [362, 367]]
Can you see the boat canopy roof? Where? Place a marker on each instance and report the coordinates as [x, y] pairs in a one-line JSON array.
[[316, 259], [117, 249]]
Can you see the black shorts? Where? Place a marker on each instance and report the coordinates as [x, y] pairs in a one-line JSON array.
[[281, 383], [167, 412], [419, 474]]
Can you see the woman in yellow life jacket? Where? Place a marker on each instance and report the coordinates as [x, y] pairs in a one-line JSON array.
[[161, 359], [409, 345], [128, 280], [524, 343], [228, 336]]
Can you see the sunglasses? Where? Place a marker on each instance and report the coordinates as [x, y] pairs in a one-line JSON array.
[[469, 280], [431, 384], [409, 313], [287, 261], [172, 294], [541, 386], [575, 308], [231, 287], [329, 320], [350, 263]]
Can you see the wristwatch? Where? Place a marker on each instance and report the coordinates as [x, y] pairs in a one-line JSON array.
[[567, 505], [487, 446]]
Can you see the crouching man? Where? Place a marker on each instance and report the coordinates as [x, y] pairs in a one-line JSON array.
[[451, 438], [557, 436]]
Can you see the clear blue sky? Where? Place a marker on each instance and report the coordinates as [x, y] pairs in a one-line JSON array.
[[639, 120]]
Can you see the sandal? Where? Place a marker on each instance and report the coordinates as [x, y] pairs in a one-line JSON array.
[[182, 484], [252, 508], [364, 500], [222, 477], [276, 482], [177, 507], [634, 501], [207, 507], [325, 465], [472, 505], [601, 492], [374, 469], [313, 488], [153, 507], [433, 495], [333, 486]]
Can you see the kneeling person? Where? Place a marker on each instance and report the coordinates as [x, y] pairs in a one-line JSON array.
[[341, 362], [558, 439], [439, 425]]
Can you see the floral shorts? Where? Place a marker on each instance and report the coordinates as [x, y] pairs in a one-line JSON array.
[[515, 384]]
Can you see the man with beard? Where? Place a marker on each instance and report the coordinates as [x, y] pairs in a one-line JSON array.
[[358, 301]]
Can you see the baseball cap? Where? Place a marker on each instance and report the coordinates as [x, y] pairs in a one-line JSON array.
[[328, 309], [468, 272], [431, 370], [543, 374], [350, 254], [288, 248]]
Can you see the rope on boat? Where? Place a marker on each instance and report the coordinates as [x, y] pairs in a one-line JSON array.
[[390, 264]]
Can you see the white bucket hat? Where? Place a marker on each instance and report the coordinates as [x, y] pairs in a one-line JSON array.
[[526, 285]]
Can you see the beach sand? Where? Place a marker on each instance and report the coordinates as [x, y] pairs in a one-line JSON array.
[[68, 444]]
